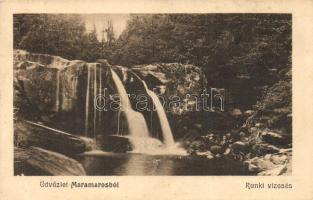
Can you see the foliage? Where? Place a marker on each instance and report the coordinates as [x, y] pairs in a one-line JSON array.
[[234, 50], [56, 34]]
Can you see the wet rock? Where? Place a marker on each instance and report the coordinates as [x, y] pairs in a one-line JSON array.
[[197, 145], [206, 154], [227, 151], [54, 90], [115, 143], [210, 155], [218, 155], [215, 149], [272, 164], [259, 125], [249, 112], [278, 170], [285, 151], [38, 161], [267, 156], [239, 146], [242, 134], [177, 79], [262, 164], [236, 112], [198, 126], [90, 143], [273, 138], [28, 133], [253, 168], [279, 159], [263, 149]]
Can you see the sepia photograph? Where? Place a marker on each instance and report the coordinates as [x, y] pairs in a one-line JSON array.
[[152, 94]]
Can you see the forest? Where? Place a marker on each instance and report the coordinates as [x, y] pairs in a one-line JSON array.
[[60, 67]]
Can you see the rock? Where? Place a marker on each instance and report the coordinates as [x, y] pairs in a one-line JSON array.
[[273, 138], [54, 90], [215, 149], [285, 150], [249, 112], [38, 161], [253, 168], [32, 134], [197, 145], [279, 159], [178, 79], [227, 151], [239, 146], [209, 155], [218, 155], [262, 164], [122, 144], [274, 172], [236, 112], [90, 144], [259, 125], [198, 126], [262, 149], [253, 130], [116, 143], [242, 134], [267, 156], [206, 154]]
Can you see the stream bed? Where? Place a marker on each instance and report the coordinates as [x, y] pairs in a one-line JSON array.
[[121, 164]]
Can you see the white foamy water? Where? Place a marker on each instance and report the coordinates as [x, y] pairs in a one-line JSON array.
[[168, 138], [87, 100], [57, 95], [94, 94], [137, 126]]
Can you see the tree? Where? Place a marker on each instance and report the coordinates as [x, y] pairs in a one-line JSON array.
[[57, 34], [234, 50]]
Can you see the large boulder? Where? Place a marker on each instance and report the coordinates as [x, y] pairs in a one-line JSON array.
[[28, 133], [60, 92], [274, 138], [38, 161], [174, 79], [122, 144], [272, 164]]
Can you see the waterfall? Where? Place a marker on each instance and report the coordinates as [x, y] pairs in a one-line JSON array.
[[168, 138], [74, 86], [57, 95], [94, 95], [137, 126], [87, 100], [100, 93]]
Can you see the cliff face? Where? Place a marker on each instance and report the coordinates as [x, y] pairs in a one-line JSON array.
[[58, 92], [61, 93], [181, 81]]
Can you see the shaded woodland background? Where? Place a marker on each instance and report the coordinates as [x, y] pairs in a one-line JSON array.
[[239, 52], [248, 55]]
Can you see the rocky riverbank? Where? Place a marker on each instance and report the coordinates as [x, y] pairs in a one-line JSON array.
[[52, 92], [41, 150], [262, 137]]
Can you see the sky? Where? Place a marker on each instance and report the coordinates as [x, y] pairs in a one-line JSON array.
[[100, 21]]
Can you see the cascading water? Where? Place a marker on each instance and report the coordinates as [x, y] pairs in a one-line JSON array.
[[87, 101], [57, 95], [168, 138], [95, 94], [137, 127], [100, 88]]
